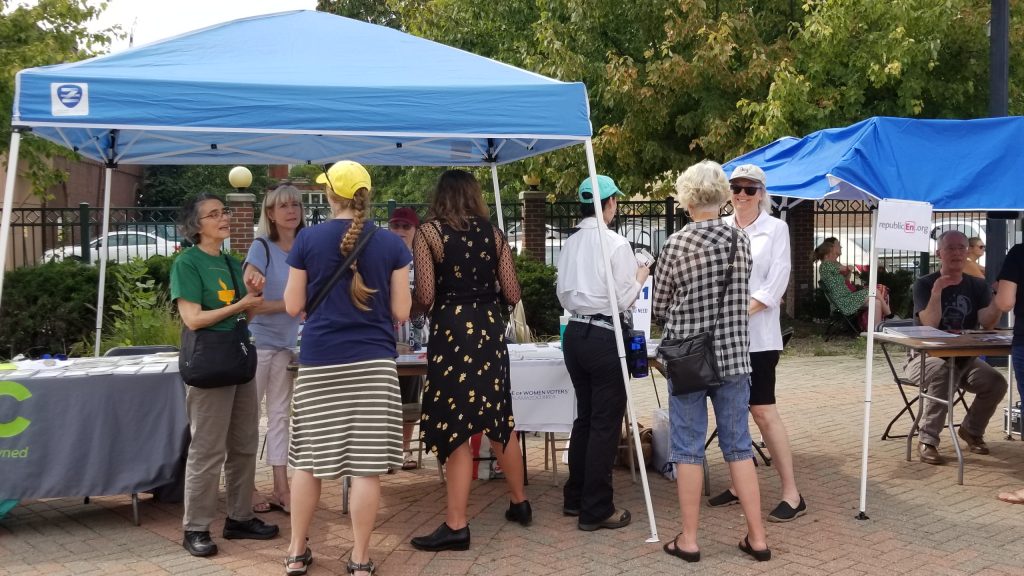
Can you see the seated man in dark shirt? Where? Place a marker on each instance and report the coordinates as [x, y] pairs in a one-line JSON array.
[[951, 300]]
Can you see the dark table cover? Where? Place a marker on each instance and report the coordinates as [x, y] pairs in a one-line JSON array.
[[93, 435]]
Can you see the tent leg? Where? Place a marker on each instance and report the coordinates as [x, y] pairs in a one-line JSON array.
[[620, 347], [868, 363], [103, 250], [5, 224], [497, 196]]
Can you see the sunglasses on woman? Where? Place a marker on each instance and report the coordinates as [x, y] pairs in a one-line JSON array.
[[748, 190]]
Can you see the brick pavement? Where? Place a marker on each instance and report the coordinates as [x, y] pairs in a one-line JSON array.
[[921, 522]]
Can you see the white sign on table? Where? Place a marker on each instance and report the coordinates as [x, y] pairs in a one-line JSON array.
[[904, 225], [642, 308]]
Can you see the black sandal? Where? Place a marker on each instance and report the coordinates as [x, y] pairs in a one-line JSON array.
[[676, 551], [306, 559], [369, 567], [759, 555]]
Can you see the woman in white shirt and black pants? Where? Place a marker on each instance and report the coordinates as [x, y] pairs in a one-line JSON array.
[[769, 242], [592, 359]]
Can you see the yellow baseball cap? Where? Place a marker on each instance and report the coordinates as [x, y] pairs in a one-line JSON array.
[[345, 178]]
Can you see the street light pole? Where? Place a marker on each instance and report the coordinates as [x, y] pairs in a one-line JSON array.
[[998, 105]]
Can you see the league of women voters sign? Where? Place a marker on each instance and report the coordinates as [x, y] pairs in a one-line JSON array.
[[904, 225]]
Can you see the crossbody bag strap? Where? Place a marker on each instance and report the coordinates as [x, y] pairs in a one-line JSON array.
[[234, 281], [726, 279], [338, 273]]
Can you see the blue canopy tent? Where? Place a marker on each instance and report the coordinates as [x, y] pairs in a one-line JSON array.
[[292, 88], [950, 164]]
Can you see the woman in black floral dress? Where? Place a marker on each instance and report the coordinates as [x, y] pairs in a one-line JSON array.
[[465, 276]]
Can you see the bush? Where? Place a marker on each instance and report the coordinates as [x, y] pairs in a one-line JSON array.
[[540, 300], [49, 308]]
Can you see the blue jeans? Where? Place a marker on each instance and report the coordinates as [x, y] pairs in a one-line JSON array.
[[1018, 369], [688, 415]]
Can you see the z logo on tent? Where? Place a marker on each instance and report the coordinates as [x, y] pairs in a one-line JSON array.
[[69, 99]]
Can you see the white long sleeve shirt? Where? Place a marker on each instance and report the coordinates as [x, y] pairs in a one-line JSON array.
[[581, 283], [769, 245]]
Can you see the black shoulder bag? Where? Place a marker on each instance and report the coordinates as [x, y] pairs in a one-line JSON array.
[[215, 358], [690, 363]]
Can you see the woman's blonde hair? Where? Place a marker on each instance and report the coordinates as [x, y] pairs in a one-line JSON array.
[[703, 186], [361, 293], [283, 193], [457, 198]]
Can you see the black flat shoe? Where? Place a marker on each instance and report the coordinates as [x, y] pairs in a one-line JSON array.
[[567, 511], [199, 543], [306, 559], [618, 519], [675, 551], [521, 513], [785, 513], [724, 499], [251, 529], [759, 555], [444, 538]]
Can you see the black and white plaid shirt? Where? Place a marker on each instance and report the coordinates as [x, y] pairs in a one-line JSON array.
[[691, 267]]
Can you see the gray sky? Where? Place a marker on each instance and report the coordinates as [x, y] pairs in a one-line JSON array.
[[159, 19]]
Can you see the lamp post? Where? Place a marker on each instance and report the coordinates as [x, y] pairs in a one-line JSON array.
[[998, 105], [240, 178]]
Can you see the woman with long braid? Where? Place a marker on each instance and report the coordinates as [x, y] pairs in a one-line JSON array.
[[347, 409]]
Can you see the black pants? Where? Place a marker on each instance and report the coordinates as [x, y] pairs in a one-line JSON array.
[[593, 364]]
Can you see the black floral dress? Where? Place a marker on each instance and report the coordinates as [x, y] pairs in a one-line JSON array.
[[467, 277]]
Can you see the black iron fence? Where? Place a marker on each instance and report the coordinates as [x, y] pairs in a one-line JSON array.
[[44, 234]]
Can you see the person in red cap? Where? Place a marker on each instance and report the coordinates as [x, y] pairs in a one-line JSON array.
[[411, 335]]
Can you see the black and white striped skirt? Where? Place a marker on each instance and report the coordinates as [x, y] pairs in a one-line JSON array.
[[346, 419]]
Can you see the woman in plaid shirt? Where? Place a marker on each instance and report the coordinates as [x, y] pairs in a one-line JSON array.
[[692, 265]]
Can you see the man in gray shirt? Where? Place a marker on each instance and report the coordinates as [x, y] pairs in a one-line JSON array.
[[951, 300]]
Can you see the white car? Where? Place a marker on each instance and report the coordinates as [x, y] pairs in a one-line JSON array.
[[553, 240], [121, 246]]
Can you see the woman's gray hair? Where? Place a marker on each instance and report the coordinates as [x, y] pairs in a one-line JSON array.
[[765, 203], [703, 186], [283, 193], [188, 220]]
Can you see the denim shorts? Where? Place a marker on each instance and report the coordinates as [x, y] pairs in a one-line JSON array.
[[688, 417]]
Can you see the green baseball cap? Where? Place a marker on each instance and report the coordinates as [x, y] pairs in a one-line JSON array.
[[606, 184]]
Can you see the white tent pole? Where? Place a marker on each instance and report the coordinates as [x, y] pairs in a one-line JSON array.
[[103, 251], [5, 224], [620, 347], [1009, 391], [497, 196], [868, 365]]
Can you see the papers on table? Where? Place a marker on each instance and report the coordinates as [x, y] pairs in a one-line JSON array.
[[535, 351], [120, 365], [917, 332]]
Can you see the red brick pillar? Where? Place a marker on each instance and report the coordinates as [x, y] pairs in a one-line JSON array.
[[801, 243], [241, 204], [534, 232]]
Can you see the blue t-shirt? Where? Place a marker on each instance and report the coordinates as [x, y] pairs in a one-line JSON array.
[[279, 330], [338, 332]]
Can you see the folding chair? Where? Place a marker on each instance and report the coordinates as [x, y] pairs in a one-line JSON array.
[[902, 383], [838, 323]]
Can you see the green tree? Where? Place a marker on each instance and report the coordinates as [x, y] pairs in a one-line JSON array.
[[372, 11], [47, 32], [170, 185]]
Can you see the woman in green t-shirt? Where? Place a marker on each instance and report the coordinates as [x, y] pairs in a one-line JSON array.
[[224, 421]]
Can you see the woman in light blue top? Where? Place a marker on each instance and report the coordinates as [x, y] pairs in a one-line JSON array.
[[274, 331]]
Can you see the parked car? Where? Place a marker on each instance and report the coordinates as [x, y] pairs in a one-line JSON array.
[[972, 228], [641, 235], [553, 240], [121, 246]]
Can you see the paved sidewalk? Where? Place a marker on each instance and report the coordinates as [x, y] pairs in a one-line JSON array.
[[921, 521]]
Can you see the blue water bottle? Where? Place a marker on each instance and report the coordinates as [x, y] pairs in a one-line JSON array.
[[636, 355]]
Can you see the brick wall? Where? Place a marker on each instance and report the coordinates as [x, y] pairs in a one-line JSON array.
[[801, 242], [533, 231], [241, 221]]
